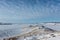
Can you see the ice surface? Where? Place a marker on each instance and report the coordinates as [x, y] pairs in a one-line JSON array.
[[9, 30], [55, 26]]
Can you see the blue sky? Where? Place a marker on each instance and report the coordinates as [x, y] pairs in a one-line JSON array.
[[29, 11]]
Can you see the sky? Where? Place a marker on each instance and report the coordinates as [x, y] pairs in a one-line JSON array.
[[29, 11]]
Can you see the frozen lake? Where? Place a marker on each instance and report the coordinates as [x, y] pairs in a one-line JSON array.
[[9, 30]]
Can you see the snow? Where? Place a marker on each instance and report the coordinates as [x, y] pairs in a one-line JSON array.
[[55, 38], [11, 30], [43, 37], [55, 26]]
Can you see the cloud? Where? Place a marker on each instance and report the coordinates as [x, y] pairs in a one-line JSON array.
[[15, 10]]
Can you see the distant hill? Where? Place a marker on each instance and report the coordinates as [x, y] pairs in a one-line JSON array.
[[5, 23]]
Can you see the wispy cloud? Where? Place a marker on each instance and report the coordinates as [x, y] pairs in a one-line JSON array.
[[31, 10]]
